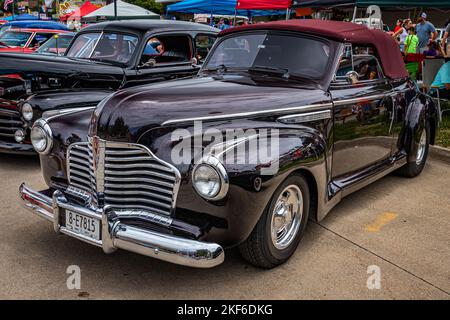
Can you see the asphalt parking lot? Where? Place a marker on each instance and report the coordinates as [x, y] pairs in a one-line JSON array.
[[399, 225]]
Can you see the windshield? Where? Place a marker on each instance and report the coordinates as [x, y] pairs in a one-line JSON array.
[[55, 45], [14, 38], [289, 54], [111, 47]]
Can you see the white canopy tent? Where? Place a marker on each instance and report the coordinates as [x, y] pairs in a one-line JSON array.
[[124, 11]]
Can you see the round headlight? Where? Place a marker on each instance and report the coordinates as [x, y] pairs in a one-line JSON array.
[[206, 181], [27, 111], [210, 179], [41, 137]]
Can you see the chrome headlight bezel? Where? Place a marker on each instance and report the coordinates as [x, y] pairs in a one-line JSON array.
[[45, 131], [27, 111], [212, 163]]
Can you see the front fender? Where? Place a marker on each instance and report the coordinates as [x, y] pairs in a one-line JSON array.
[[67, 128], [231, 220]]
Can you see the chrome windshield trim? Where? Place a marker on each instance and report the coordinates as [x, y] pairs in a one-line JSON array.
[[306, 108], [96, 43]]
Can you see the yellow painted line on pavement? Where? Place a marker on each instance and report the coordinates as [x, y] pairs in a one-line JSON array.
[[380, 221]]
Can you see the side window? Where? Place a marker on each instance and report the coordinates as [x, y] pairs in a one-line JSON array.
[[203, 44], [40, 38], [362, 62], [367, 68], [166, 50]]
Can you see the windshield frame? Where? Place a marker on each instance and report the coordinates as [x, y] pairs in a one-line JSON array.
[[328, 42], [130, 62]]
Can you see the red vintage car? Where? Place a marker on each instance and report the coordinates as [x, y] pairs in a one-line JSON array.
[[25, 40]]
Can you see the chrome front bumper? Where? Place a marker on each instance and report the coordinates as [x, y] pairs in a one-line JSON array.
[[117, 235]]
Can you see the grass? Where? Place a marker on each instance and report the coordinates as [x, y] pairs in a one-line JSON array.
[[443, 135]]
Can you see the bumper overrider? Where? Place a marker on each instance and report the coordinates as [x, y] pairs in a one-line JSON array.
[[118, 235]]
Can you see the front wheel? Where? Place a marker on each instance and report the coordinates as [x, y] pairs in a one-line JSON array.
[[281, 226], [414, 168]]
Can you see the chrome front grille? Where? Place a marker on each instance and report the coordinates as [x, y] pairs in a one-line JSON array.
[[10, 121], [81, 172], [128, 175]]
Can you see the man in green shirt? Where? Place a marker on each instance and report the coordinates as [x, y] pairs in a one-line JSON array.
[[411, 41]]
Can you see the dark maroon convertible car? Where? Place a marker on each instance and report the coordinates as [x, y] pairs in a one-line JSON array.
[[283, 121]]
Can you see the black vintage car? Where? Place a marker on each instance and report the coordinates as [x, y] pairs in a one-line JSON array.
[[283, 121], [101, 59]]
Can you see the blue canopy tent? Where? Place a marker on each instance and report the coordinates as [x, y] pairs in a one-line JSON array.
[[218, 7], [26, 16]]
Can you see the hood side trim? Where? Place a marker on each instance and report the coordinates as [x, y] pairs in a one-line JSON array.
[[312, 107]]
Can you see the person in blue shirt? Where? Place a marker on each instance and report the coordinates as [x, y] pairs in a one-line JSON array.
[[426, 32], [442, 81], [223, 24]]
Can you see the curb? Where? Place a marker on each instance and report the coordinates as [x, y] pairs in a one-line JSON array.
[[440, 153]]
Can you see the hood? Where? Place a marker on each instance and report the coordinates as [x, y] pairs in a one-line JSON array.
[[67, 98], [40, 72], [127, 114]]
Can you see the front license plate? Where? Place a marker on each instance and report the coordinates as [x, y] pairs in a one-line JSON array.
[[82, 224]]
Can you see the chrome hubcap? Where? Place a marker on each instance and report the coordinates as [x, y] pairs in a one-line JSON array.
[[421, 148], [286, 217]]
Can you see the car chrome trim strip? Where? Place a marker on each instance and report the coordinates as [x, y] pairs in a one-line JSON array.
[[117, 235], [362, 99], [305, 117], [307, 108], [50, 115]]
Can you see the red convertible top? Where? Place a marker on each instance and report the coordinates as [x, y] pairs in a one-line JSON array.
[[387, 48]]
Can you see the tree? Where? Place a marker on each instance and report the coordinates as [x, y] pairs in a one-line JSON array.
[[148, 4]]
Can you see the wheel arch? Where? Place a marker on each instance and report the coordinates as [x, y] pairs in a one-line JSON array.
[[313, 190], [421, 110]]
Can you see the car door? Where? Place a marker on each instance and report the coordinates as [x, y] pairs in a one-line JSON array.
[[164, 57], [362, 115]]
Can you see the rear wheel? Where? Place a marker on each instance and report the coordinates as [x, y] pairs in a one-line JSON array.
[[414, 168], [281, 226]]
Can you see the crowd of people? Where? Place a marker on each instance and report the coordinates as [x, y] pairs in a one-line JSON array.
[[421, 37], [420, 42]]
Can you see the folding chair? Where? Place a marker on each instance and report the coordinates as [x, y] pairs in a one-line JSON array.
[[430, 68]]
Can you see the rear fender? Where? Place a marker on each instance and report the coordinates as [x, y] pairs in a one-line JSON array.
[[420, 111]]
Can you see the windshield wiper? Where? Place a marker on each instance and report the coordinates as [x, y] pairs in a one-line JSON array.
[[281, 71], [219, 68], [108, 61]]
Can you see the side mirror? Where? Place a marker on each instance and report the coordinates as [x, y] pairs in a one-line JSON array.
[[352, 77], [151, 63]]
